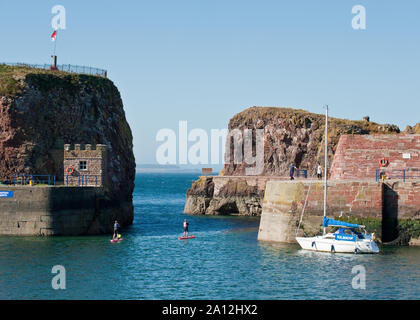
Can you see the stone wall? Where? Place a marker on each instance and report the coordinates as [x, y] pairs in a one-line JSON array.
[[408, 198], [95, 157], [401, 215], [291, 136], [244, 195], [35, 211], [284, 201], [392, 211], [226, 195], [358, 156], [48, 109]]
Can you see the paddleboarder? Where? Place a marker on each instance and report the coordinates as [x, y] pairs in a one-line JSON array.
[[116, 228], [186, 228]]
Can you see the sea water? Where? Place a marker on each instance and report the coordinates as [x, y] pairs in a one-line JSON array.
[[224, 261]]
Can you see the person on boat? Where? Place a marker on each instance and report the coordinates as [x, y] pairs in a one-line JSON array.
[[319, 171], [292, 171], [186, 228], [116, 229]]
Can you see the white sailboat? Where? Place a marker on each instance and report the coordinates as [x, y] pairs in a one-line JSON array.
[[346, 239]]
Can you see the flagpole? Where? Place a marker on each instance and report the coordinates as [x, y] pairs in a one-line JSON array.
[[55, 41], [54, 38], [325, 165]]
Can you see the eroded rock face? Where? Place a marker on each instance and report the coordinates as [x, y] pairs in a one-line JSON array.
[[290, 137], [51, 109], [413, 130], [294, 137], [199, 196], [225, 196]]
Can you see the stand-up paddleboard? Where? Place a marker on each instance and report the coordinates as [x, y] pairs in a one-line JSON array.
[[184, 238], [116, 240]]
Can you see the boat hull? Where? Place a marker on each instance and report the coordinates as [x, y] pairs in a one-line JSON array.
[[339, 246]]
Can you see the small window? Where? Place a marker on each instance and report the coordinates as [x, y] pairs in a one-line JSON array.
[[82, 165]]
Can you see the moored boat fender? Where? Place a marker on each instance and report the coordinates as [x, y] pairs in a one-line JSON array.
[[313, 244], [332, 248]]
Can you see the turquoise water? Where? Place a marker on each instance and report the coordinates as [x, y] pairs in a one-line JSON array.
[[225, 261]]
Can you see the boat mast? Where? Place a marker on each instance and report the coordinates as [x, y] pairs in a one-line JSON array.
[[325, 163]]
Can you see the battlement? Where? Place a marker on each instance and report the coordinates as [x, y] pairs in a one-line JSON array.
[[84, 151], [85, 164], [84, 147]]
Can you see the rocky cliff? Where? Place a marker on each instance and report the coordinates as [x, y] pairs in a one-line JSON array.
[[290, 136], [295, 136], [226, 196], [390, 210], [413, 130], [41, 110]]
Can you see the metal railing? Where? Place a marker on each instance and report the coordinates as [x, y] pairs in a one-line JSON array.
[[33, 179], [63, 67], [302, 173], [82, 181], [403, 174]]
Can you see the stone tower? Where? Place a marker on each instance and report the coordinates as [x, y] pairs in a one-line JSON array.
[[85, 165]]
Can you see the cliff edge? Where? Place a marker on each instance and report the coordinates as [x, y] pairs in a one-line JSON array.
[[290, 136], [295, 136], [41, 110]]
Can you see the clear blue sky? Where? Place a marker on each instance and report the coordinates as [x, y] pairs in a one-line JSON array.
[[203, 61]]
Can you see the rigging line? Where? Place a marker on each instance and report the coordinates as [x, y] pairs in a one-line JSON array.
[[309, 189]]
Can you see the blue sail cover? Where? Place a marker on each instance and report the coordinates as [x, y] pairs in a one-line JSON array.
[[335, 223]]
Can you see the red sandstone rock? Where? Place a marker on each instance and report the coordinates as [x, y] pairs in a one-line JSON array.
[[294, 136], [358, 156], [48, 109], [413, 130]]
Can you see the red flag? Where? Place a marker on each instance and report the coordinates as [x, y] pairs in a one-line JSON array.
[[54, 35]]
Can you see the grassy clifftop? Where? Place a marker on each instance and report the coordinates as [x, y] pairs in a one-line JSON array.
[[299, 118], [43, 109], [13, 80], [304, 119], [295, 136]]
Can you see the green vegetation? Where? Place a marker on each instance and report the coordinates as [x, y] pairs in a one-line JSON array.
[[238, 188], [222, 172], [413, 130], [371, 224], [292, 119], [14, 78], [200, 182], [9, 85], [408, 229], [304, 119], [309, 230], [405, 230]]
